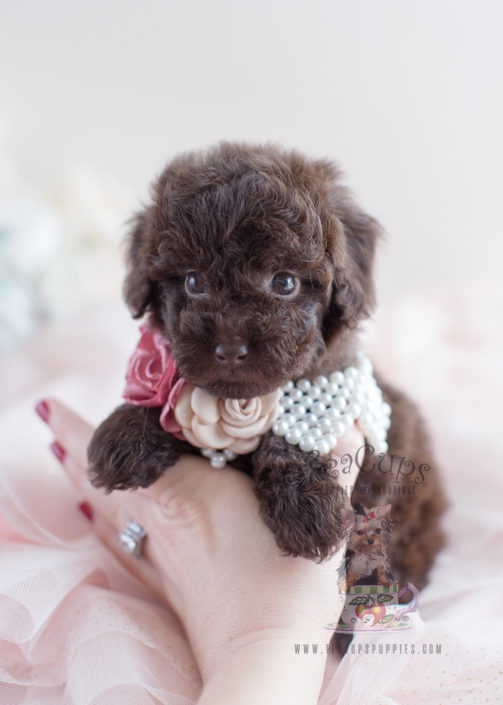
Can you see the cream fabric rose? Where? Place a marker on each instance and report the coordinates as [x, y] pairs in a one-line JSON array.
[[238, 424]]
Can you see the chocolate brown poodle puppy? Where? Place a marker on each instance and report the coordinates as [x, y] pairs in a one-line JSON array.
[[256, 264]]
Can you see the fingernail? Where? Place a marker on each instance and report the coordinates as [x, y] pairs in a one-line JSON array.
[[58, 451], [86, 510], [42, 410]]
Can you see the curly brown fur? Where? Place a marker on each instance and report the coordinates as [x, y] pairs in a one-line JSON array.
[[299, 500], [130, 449], [238, 215]]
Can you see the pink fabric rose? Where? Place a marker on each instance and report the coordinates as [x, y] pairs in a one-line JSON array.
[[237, 424], [152, 378]]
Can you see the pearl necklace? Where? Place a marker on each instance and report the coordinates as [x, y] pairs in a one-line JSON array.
[[314, 415]]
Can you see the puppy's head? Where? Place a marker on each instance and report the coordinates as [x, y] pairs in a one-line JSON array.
[[252, 261], [371, 530]]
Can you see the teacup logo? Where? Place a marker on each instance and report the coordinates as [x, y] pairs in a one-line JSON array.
[[370, 595]]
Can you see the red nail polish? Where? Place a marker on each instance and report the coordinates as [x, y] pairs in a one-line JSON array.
[[42, 410], [86, 510], [58, 451]]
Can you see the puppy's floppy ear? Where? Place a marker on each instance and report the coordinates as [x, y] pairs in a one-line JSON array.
[[138, 286], [354, 243]]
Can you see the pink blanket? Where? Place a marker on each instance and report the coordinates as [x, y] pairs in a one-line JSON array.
[[75, 628]]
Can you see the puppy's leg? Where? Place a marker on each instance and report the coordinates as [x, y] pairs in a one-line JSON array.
[[130, 449], [299, 498]]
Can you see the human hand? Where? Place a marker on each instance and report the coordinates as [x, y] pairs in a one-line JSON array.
[[211, 557]]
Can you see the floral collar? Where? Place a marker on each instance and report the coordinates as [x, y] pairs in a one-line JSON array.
[[189, 412], [310, 414]]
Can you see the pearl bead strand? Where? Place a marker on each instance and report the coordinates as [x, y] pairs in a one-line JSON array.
[[314, 415], [218, 458]]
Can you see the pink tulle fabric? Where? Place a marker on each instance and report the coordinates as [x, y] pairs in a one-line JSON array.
[[76, 628]]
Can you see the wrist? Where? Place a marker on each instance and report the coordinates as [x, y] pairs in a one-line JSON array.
[[266, 666]]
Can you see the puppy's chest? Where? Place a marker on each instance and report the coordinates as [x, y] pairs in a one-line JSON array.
[[364, 564]]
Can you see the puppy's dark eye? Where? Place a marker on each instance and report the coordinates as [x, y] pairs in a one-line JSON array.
[[195, 283], [360, 533], [378, 531], [284, 283]]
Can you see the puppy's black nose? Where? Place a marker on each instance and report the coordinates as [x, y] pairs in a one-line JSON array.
[[231, 354], [371, 541]]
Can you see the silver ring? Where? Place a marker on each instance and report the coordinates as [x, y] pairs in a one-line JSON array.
[[131, 538]]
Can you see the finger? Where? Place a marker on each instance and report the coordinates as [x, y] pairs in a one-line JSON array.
[[73, 435], [71, 431], [191, 475], [140, 566], [161, 519]]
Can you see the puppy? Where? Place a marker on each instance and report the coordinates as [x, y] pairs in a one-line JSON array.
[[368, 547], [256, 265]]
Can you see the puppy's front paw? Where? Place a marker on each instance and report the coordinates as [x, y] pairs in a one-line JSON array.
[[300, 500], [130, 449]]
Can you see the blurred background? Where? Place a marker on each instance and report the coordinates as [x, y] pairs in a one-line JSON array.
[[97, 96]]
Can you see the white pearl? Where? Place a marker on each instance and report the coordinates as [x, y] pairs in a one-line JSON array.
[[316, 432], [296, 394], [365, 366], [339, 403], [351, 372], [298, 410], [304, 385], [315, 392], [281, 410], [339, 428], [289, 419], [229, 454], [311, 419], [287, 402], [345, 392], [359, 398], [333, 413], [218, 460], [207, 452], [326, 423], [322, 446], [386, 408], [330, 439], [293, 436], [347, 420], [326, 398], [354, 410], [318, 408], [387, 422], [365, 418], [302, 426], [307, 400], [280, 427], [336, 377], [321, 381], [307, 443], [349, 383], [288, 386], [333, 389]]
